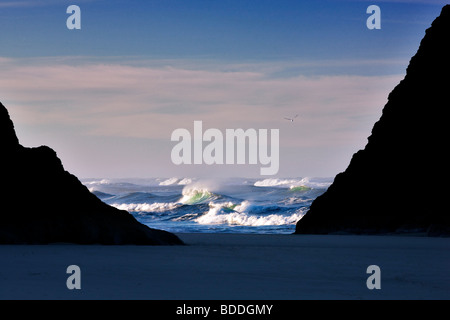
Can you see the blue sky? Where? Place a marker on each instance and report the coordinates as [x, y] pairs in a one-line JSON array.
[[107, 97], [232, 30]]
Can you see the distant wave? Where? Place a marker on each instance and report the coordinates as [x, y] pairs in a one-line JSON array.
[[178, 181], [293, 183], [273, 182], [101, 195], [97, 181], [169, 182], [146, 207]]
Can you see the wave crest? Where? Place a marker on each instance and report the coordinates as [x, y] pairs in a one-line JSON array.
[[231, 214], [196, 196], [296, 184], [274, 182], [176, 181], [146, 207]]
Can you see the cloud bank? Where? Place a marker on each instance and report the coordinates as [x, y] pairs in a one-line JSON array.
[[146, 101]]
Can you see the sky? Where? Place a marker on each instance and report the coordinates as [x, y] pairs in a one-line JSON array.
[[108, 96]]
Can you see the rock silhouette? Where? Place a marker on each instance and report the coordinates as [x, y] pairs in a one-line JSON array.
[[397, 182], [42, 203]]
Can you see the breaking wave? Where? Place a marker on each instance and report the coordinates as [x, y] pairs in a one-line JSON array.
[[231, 205], [178, 181], [194, 195], [317, 183], [146, 207], [245, 214]]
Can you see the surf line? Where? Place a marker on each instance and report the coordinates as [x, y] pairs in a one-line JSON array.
[[190, 150]]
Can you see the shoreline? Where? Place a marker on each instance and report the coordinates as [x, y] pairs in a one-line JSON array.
[[229, 266]]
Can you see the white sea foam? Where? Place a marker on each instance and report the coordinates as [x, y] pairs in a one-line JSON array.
[[228, 213], [196, 196], [169, 182], [199, 192], [185, 181], [146, 207], [102, 181], [176, 181], [317, 183], [273, 182]]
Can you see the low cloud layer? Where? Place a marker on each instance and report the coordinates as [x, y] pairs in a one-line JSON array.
[[146, 101]]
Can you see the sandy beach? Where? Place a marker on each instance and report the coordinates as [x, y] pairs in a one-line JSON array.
[[233, 266]]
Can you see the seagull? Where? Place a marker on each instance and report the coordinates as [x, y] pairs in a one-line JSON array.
[[291, 119]]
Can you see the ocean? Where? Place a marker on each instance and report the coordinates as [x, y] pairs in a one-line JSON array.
[[232, 205]]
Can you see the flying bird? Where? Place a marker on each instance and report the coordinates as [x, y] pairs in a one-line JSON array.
[[291, 119]]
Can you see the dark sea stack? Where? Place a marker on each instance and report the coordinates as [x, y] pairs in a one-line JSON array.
[[42, 203], [397, 183], [8, 138]]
